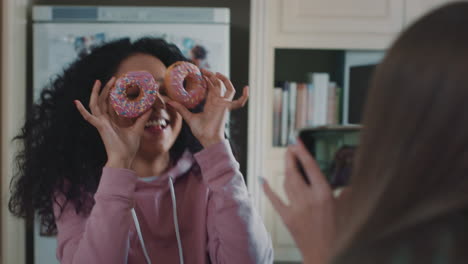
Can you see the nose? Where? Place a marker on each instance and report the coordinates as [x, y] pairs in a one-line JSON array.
[[159, 102]]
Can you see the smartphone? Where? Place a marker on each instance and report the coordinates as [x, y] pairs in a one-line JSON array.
[[333, 147]]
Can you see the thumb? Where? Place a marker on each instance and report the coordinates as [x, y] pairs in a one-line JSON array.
[[183, 111], [141, 121]]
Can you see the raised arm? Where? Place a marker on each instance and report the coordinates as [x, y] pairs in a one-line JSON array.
[[102, 236], [236, 232]]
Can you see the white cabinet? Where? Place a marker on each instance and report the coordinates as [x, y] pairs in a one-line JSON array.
[[325, 16], [357, 24], [285, 248], [417, 8], [335, 23]]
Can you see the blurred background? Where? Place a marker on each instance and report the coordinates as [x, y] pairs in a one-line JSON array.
[[308, 63]]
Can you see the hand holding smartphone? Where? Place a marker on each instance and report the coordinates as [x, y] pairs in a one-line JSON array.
[[333, 147]]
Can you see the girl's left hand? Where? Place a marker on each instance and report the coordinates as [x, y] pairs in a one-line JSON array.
[[208, 126], [310, 214]]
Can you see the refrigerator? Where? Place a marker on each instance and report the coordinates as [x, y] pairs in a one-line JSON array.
[[63, 33]]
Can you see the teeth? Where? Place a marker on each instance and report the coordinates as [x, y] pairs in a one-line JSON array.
[[159, 122]]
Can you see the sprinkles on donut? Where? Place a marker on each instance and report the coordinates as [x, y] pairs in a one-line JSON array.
[[143, 88]]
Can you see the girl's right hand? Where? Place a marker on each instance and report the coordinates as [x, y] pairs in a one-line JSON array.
[[121, 143]]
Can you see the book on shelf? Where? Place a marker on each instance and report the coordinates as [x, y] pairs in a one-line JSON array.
[[310, 104], [298, 105], [301, 106], [332, 110], [320, 81], [277, 110], [284, 114], [292, 112]]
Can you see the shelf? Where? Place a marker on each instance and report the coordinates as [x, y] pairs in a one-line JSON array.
[[348, 74], [294, 64]]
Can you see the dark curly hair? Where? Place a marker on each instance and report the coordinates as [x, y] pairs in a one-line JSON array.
[[62, 153]]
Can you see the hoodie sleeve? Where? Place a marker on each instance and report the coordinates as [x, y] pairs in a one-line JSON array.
[[101, 237], [236, 233]]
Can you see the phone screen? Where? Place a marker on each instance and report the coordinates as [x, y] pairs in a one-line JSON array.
[[333, 147]]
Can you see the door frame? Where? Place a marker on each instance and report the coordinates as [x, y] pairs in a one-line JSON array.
[[13, 106]]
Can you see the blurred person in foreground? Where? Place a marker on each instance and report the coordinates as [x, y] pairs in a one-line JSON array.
[[409, 197]]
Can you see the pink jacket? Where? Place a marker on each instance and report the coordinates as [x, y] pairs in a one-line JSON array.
[[214, 217]]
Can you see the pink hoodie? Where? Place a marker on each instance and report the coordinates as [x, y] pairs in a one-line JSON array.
[[214, 215]]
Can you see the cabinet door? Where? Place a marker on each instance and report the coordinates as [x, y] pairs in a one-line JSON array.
[[417, 8], [374, 16], [284, 246], [337, 18]]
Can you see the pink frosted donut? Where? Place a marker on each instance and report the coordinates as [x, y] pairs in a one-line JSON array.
[[144, 89], [174, 79]]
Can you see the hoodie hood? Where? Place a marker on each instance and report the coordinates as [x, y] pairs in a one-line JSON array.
[[180, 169]]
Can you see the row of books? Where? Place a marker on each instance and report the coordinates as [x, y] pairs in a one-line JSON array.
[[298, 105]]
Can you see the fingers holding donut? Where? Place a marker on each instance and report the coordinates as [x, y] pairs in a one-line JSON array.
[[239, 103], [97, 100], [217, 78], [121, 142], [104, 96], [93, 101], [230, 91], [208, 126], [212, 90], [206, 73], [97, 104], [188, 86], [182, 110], [86, 115], [215, 88]]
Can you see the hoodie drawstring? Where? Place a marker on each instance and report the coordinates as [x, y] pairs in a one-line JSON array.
[[176, 224], [140, 236]]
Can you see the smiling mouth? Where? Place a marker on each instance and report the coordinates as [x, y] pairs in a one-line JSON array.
[[160, 123]]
